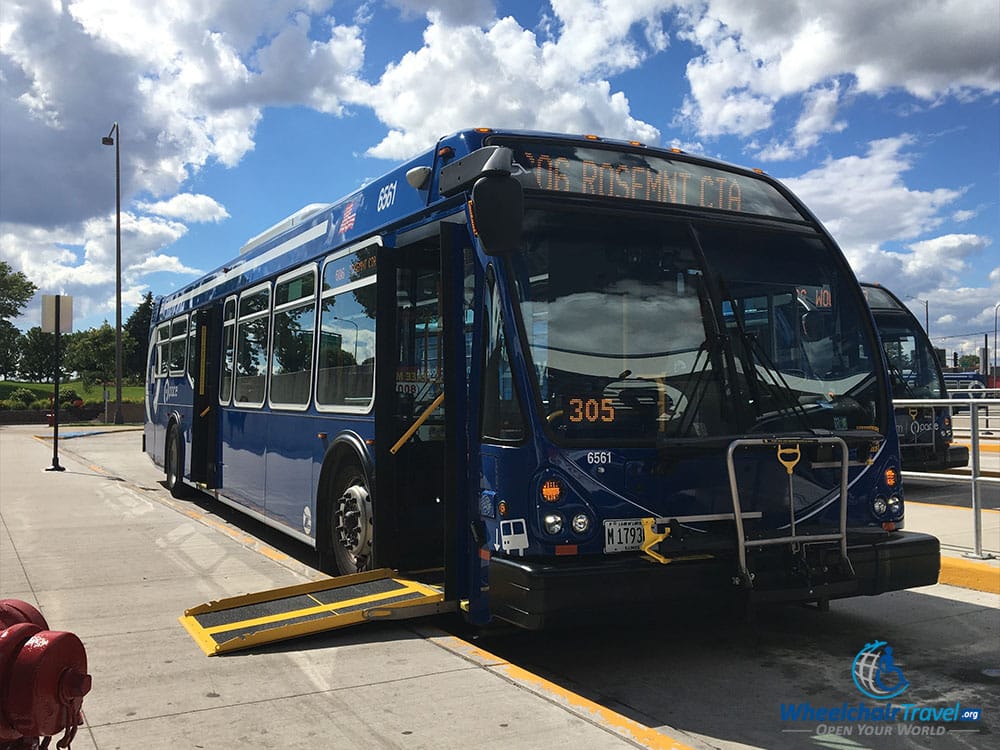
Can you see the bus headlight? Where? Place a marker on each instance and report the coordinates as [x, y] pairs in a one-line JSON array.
[[553, 523], [879, 506], [580, 523], [895, 506]]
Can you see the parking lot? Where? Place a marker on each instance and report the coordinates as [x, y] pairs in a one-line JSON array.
[[105, 552]]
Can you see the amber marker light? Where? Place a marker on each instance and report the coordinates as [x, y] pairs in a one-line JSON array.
[[891, 477], [590, 137], [551, 490], [502, 507]]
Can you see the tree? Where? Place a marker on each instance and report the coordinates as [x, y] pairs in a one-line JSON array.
[[15, 291], [969, 361], [91, 354], [38, 355], [10, 353], [137, 326]]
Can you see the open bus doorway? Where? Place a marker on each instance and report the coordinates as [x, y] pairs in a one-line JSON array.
[[419, 436]]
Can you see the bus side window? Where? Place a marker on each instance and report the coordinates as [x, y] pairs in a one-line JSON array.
[[192, 349], [228, 344], [252, 332], [178, 345], [162, 349], [345, 376], [294, 322]]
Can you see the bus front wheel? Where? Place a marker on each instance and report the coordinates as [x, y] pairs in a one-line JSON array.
[[351, 533], [175, 464]]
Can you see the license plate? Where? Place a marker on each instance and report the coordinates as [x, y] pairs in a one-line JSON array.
[[623, 535]]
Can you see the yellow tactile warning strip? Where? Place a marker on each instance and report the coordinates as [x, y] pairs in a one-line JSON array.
[[613, 721], [240, 622]]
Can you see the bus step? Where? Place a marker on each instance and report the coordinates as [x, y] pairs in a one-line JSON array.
[[241, 622]]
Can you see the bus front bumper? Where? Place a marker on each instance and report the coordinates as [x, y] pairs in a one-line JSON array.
[[537, 593]]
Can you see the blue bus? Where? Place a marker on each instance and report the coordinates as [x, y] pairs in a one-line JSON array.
[[925, 433], [560, 375]]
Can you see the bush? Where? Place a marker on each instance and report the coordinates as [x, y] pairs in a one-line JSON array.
[[22, 397], [41, 404], [67, 396]]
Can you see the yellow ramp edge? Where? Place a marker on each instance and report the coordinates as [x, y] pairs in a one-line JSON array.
[[241, 622]]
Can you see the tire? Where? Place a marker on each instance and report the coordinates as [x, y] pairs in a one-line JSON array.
[[350, 532], [174, 464]]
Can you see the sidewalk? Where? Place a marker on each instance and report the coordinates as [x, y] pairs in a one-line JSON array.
[[104, 551], [954, 528]]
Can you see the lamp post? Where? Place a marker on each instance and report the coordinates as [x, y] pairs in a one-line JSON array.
[[114, 138], [357, 334], [995, 374]]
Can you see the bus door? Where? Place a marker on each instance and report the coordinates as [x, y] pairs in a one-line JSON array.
[[203, 370], [418, 425]]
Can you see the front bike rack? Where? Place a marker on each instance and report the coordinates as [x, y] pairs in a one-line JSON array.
[[788, 453]]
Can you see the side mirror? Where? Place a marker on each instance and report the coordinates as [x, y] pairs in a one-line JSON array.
[[498, 212]]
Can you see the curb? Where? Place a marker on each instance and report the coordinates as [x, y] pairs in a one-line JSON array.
[[969, 574]]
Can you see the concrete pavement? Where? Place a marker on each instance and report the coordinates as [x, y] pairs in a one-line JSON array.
[[105, 552]]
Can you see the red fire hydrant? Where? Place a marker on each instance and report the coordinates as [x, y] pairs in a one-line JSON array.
[[43, 678]]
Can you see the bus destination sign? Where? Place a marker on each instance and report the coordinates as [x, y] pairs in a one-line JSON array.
[[633, 175]]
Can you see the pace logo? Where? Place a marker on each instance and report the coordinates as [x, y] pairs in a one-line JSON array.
[[876, 674]]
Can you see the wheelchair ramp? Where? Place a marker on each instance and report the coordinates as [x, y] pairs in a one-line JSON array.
[[241, 622]]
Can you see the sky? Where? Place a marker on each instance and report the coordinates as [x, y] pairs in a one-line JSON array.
[[884, 117]]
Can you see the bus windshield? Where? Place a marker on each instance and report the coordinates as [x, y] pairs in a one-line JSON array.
[[912, 364], [644, 330]]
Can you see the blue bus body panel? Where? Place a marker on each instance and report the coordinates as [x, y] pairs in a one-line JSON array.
[[244, 446]]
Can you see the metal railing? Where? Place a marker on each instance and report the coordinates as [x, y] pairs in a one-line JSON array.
[[978, 405]]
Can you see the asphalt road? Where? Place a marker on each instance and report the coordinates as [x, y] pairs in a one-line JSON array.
[[957, 493]]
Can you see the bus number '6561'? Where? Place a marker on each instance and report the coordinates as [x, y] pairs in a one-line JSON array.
[[387, 196]]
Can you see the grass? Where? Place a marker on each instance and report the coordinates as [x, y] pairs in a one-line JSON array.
[[94, 395]]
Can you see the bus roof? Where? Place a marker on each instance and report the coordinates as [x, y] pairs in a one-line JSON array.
[[410, 193], [881, 299]]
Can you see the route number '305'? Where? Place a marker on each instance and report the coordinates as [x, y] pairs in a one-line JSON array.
[[387, 196]]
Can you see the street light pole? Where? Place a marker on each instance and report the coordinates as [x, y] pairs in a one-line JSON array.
[[116, 142], [995, 373]]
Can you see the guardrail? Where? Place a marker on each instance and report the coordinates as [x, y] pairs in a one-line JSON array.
[[976, 402]]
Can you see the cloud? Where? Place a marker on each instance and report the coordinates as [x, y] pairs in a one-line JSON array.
[[507, 77], [186, 207], [756, 54], [819, 110], [449, 12], [79, 260], [864, 201], [187, 81]]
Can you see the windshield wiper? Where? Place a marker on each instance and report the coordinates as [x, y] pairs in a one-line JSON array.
[[779, 386]]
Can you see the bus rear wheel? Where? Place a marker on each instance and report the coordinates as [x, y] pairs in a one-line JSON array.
[[351, 533]]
